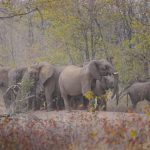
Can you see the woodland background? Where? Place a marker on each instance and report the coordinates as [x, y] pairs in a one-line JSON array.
[[65, 32], [75, 31]]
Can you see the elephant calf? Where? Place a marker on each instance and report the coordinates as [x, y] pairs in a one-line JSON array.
[[100, 89], [138, 91]]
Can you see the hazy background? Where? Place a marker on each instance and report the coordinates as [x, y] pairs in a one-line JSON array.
[[74, 31]]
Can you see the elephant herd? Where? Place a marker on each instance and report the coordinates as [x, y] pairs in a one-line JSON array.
[[67, 87]]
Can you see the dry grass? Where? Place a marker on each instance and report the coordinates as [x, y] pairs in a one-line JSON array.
[[122, 106]]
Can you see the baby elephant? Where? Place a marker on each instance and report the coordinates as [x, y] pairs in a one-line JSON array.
[[138, 91]]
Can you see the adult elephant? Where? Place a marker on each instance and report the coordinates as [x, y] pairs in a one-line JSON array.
[[46, 76], [138, 91], [9, 78], [15, 75], [4, 80], [81, 80]]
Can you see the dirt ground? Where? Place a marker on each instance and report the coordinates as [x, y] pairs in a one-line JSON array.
[[111, 107], [78, 129], [112, 113]]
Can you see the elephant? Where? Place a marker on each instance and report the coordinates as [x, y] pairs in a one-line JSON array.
[[107, 82], [4, 81], [9, 77], [99, 90], [138, 91], [10, 95], [75, 80], [46, 76], [15, 75]]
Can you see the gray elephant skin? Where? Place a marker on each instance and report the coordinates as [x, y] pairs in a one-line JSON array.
[[15, 75], [9, 77], [100, 89], [138, 91], [107, 82], [4, 81], [75, 80], [45, 76]]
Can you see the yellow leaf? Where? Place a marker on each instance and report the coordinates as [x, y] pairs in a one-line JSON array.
[[81, 105], [133, 134], [89, 95], [93, 134]]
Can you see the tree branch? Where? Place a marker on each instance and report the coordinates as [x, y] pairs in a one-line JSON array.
[[18, 15]]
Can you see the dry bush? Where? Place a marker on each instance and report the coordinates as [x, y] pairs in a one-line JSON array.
[[75, 131]]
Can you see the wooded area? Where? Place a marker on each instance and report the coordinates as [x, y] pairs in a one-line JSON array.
[[75, 31]]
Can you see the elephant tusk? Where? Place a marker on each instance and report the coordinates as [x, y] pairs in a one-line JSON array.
[[115, 73]]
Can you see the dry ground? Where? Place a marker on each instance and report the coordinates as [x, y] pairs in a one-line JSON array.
[[111, 106], [77, 130]]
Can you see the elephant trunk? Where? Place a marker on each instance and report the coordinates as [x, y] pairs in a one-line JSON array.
[[116, 87]]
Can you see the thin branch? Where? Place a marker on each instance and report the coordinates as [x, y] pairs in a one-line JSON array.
[[40, 13], [18, 15]]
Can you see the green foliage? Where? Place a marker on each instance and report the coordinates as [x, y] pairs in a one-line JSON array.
[[66, 32]]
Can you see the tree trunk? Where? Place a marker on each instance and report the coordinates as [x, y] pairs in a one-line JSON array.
[[146, 68]]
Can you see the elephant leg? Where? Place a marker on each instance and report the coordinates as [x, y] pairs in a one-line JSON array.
[[66, 102], [30, 103], [6, 100], [49, 99], [38, 103], [49, 89], [57, 103], [61, 103], [104, 105], [134, 101], [134, 105], [85, 102], [9, 98], [73, 102]]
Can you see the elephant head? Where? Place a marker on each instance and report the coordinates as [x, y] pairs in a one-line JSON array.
[[99, 68], [41, 72], [38, 74], [15, 75], [107, 82]]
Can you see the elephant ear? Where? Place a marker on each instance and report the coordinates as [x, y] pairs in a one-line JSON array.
[[46, 72], [94, 70]]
